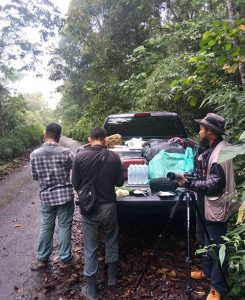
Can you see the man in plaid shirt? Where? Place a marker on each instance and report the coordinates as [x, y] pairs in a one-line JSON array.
[[51, 165]]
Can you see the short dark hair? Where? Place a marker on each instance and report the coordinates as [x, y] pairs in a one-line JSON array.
[[98, 133], [53, 130]]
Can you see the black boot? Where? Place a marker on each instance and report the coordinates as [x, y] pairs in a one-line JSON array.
[[89, 290], [112, 273]]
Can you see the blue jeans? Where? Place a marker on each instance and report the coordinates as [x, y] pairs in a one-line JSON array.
[[64, 213], [105, 218], [210, 265]]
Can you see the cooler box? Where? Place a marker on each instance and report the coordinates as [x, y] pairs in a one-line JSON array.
[[131, 161]]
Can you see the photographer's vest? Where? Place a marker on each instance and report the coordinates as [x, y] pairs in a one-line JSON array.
[[219, 209]]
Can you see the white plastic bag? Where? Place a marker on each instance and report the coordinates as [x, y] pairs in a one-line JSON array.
[[135, 143]]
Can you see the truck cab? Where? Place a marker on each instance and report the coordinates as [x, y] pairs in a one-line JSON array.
[[147, 125]]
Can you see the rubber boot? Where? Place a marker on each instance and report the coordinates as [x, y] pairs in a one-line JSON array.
[[112, 273], [89, 290]]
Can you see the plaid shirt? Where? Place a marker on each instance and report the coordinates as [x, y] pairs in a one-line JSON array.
[[51, 165]]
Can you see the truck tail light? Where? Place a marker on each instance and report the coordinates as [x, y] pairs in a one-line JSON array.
[[143, 114]]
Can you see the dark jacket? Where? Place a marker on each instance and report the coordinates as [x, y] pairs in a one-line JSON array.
[[109, 176], [215, 185]]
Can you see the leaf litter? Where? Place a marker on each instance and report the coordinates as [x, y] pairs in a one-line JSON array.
[[165, 279]]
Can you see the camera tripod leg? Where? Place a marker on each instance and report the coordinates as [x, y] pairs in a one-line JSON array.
[[188, 257], [204, 227], [160, 237]]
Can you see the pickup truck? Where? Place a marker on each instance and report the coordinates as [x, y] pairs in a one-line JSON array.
[[148, 126]]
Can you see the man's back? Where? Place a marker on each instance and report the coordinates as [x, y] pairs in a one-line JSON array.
[[109, 176], [51, 165]]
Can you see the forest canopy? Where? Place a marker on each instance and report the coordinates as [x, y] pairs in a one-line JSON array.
[[182, 56]]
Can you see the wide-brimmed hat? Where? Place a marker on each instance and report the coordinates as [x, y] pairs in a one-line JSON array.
[[214, 122]]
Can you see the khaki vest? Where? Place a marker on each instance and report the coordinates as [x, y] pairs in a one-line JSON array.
[[219, 209]]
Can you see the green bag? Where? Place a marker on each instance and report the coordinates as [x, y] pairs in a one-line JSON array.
[[165, 162]]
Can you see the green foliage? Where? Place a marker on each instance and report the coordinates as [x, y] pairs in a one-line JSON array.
[[215, 74], [19, 111], [223, 46], [236, 152], [15, 44], [229, 101], [233, 251], [235, 241], [12, 111], [35, 102], [181, 10], [18, 140], [152, 67], [231, 152], [20, 19], [38, 111], [42, 117]]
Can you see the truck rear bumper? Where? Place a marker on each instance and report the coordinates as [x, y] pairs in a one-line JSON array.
[[146, 204]]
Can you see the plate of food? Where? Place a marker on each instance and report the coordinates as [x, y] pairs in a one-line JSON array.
[[163, 195], [139, 193]]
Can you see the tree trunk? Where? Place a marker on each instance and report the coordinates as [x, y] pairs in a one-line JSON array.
[[2, 95], [232, 15], [1, 121], [231, 9]]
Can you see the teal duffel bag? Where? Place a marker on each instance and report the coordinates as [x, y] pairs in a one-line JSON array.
[[165, 162]]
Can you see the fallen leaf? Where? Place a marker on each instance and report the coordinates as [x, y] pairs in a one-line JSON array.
[[56, 258], [172, 273], [163, 270], [201, 293], [127, 294], [199, 287]]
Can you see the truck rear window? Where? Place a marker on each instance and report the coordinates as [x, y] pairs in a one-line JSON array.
[[146, 127]]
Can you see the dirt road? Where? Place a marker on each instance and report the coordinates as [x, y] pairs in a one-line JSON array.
[[19, 229]]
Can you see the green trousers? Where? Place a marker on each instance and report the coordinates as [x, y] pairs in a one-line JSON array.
[[64, 213]]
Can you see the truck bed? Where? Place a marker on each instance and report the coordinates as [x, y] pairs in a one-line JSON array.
[[149, 203]]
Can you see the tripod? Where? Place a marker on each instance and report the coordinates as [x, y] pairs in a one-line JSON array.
[[189, 197]]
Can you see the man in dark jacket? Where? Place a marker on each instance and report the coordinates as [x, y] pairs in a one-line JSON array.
[[218, 188], [105, 215]]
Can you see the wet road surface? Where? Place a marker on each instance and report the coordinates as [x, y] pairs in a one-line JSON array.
[[19, 229]]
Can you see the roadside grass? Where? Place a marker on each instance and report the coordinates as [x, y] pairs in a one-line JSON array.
[[9, 166]]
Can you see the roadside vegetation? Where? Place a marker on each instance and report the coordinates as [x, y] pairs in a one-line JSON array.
[[21, 129], [22, 116]]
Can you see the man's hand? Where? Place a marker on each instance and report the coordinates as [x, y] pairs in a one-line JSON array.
[[180, 179]]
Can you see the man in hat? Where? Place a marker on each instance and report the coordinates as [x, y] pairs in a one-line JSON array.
[[216, 187]]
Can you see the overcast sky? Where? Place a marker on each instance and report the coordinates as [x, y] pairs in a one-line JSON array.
[[31, 84]]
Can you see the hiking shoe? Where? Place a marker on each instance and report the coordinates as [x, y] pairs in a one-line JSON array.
[[39, 264], [69, 263], [87, 295], [214, 295], [198, 274], [89, 290]]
